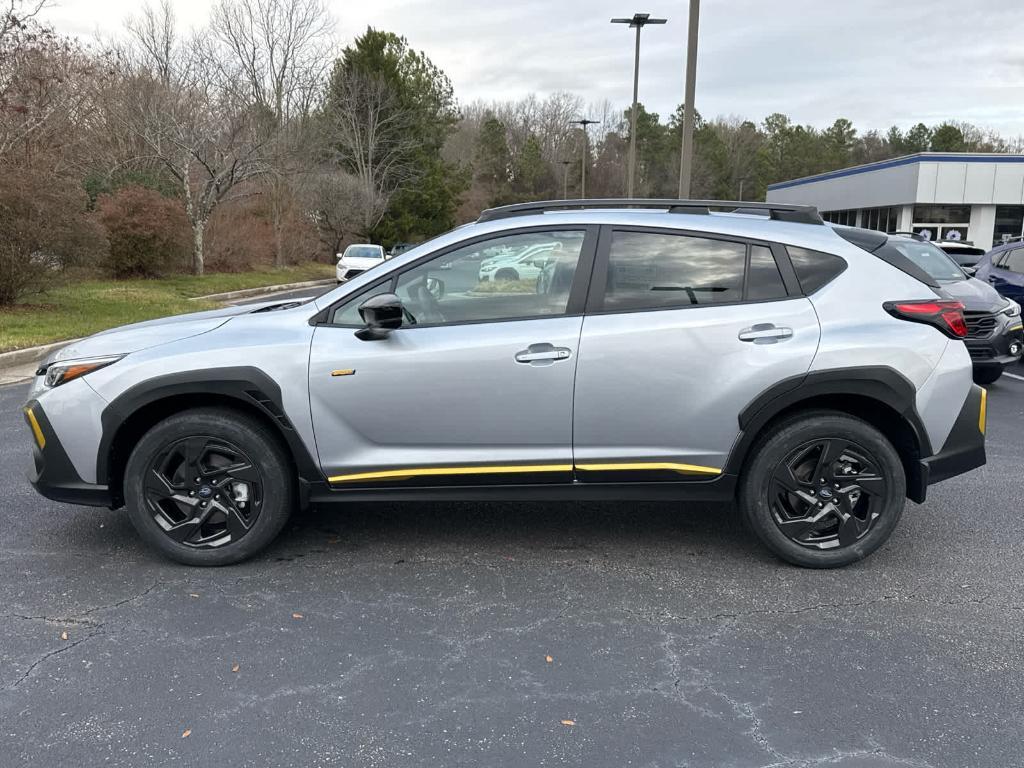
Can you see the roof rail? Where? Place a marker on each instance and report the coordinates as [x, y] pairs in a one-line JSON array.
[[799, 214], [1014, 239]]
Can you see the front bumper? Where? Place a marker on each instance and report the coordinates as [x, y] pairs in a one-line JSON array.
[[1002, 346], [53, 475], [346, 273], [963, 450]]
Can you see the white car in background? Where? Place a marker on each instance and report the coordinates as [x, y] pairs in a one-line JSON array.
[[358, 258], [527, 264]]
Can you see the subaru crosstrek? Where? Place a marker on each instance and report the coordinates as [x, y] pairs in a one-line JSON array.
[[673, 351]]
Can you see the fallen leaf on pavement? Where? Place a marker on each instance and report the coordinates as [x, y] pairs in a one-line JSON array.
[[296, 615], [186, 733], [63, 635], [549, 659], [235, 667], [568, 722]]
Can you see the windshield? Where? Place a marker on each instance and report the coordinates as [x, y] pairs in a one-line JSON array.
[[931, 259], [364, 251]]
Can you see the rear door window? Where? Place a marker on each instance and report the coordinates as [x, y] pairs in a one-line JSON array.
[[764, 281], [649, 270]]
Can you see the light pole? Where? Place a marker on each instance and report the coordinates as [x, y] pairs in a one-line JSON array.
[[639, 21], [583, 122], [565, 179], [686, 152]]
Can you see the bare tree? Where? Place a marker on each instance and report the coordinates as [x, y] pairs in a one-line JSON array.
[[174, 101], [335, 200], [367, 131], [277, 52]]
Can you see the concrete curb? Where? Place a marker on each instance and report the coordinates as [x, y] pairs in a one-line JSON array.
[[31, 354], [248, 293]]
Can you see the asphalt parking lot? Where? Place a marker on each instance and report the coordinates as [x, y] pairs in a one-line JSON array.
[[517, 634]]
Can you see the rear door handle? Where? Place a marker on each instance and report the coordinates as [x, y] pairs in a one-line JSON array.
[[765, 333], [542, 354]]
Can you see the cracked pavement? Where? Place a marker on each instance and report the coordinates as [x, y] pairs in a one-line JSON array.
[[424, 631]]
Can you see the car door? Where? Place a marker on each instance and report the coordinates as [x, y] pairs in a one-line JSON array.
[[682, 331], [476, 386]]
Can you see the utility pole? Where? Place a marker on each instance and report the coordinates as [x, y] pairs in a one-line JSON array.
[[638, 22], [689, 111], [583, 122], [565, 179]]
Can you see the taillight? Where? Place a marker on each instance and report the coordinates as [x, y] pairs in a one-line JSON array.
[[945, 314]]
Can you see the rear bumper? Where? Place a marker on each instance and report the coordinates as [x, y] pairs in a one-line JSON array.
[[963, 451], [53, 475]]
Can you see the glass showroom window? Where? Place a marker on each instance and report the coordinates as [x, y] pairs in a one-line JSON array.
[[882, 219], [1009, 223], [846, 217], [942, 222]]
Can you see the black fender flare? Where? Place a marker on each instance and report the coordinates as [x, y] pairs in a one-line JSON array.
[[249, 386], [879, 383]]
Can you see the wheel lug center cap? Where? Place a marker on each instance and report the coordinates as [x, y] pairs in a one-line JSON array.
[[205, 492], [825, 493]]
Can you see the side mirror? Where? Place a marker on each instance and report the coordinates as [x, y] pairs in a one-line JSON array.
[[435, 287], [382, 314], [970, 271]]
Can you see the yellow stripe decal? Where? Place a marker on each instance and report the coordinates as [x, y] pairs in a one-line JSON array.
[[343, 372], [983, 411], [36, 430], [405, 474], [402, 474], [686, 469]]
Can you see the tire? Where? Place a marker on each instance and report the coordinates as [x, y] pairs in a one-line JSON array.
[[245, 485], [987, 375], [506, 274], [859, 505]]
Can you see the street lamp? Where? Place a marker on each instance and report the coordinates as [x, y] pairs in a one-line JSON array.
[[565, 179], [583, 122], [639, 21], [689, 111]]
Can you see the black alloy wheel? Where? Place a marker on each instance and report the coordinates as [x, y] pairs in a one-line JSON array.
[[823, 489], [827, 493], [210, 486], [203, 492]]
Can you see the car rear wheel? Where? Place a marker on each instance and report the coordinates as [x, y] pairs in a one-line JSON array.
[[987, 375], [823, 489], [209, 486]]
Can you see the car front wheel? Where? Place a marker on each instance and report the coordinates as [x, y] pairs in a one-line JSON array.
[[210, 486], [987, 375], [823, 489]]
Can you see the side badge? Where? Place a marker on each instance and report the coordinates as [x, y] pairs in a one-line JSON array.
[[343, 372]]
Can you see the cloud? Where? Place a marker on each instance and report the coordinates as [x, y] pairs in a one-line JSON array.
[[876, 62]]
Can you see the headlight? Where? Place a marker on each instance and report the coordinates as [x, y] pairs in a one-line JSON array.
[[64, 371], [1013, 309]]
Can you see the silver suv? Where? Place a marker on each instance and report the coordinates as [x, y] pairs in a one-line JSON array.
[[667, 350]]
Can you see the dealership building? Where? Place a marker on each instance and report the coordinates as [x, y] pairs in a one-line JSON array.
[[975, 197]]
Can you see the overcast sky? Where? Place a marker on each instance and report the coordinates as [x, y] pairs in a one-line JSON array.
[[876, 62]]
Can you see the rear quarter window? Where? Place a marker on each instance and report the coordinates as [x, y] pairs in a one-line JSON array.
[[814, 269]]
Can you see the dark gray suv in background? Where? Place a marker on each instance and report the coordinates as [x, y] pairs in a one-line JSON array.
[[995, 335]]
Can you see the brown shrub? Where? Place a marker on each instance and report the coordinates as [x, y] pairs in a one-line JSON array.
[[148, 233]]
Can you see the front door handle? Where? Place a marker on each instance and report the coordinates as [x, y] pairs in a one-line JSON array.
[[765, 333], [542, 354]]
